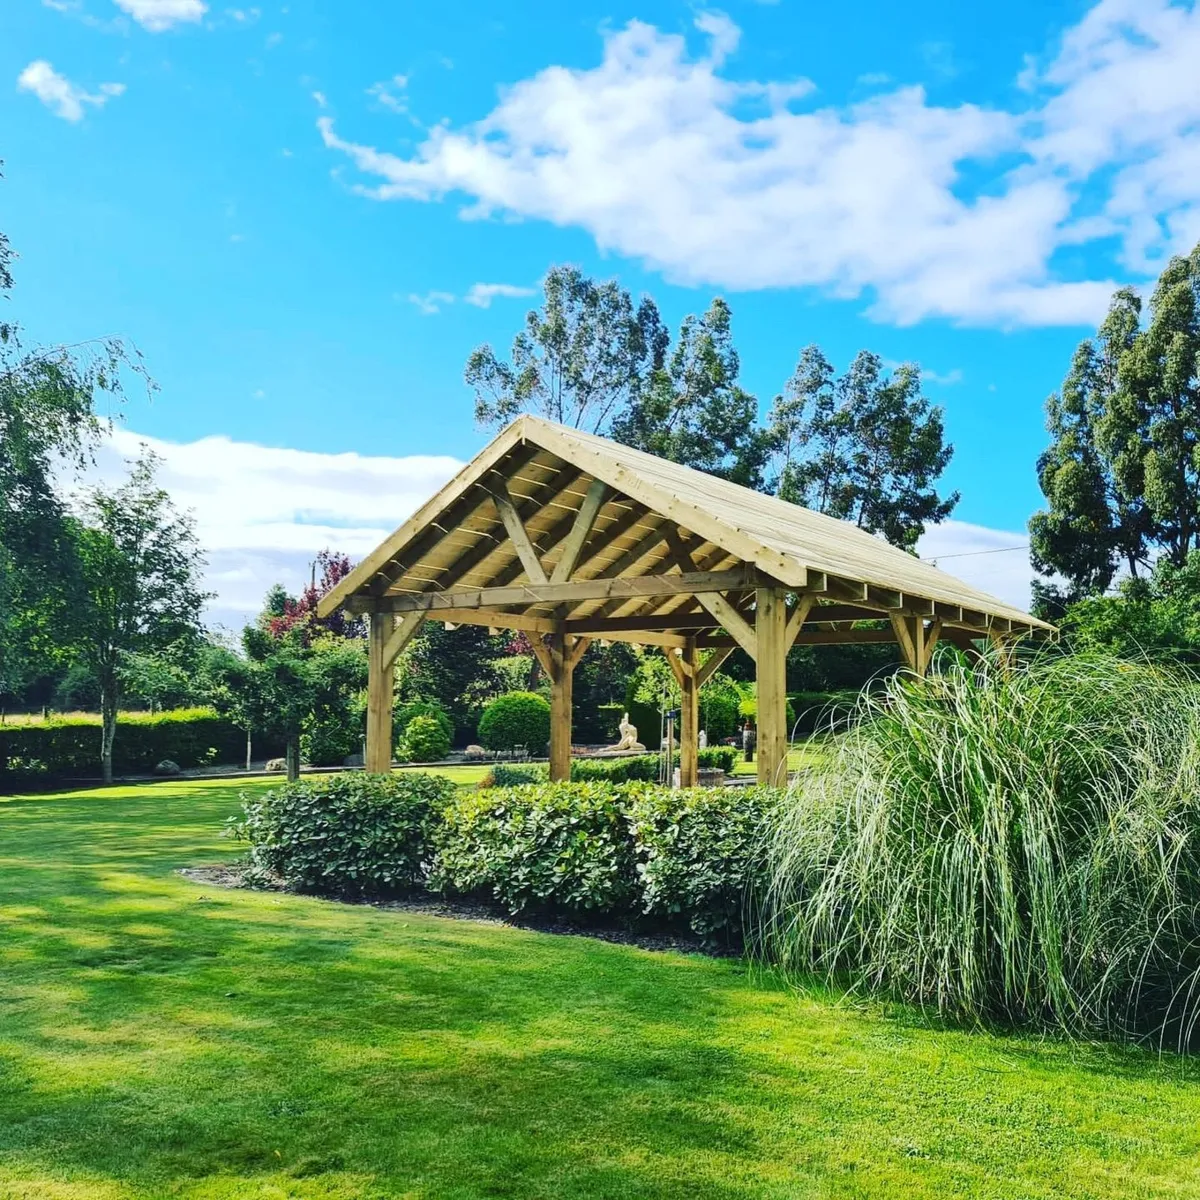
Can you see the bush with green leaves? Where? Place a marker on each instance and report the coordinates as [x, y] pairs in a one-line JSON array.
[[404, 713], [702, 856], [516, 719], [634, 768], [346, 835], [552, 847], [1020, 846], [425, 740], [515, 774]]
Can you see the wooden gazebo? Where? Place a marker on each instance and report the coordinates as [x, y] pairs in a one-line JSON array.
[[571, 537]]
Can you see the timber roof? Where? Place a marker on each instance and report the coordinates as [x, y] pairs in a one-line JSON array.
[[650, 512]]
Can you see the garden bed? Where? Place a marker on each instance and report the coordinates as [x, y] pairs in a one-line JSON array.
[[429, 904]]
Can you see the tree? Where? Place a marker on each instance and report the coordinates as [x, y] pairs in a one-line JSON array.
[[1153, 614], [283, 613], [694, 411], [453, 667], [47, 420], [1122, 473], [140, 569], [579, 361], [1097, 517], [866, 447]]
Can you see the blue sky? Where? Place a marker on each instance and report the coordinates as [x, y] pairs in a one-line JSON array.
[[290, 209]]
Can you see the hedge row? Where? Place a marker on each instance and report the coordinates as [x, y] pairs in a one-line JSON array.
[[191, 737], [590, 851], [639, 768]]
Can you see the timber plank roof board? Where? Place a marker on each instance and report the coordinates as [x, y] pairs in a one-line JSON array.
[[458, 541]]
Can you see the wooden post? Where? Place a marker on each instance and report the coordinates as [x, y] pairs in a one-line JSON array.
[[689, 715], [380, 679], [771, 663], [916, 641], [562, 673]]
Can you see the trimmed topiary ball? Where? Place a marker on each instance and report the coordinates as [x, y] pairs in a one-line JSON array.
[[516, 719], [425, 740]]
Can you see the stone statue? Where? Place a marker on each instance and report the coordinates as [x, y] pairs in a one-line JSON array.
[[704, 739], [628, 736]]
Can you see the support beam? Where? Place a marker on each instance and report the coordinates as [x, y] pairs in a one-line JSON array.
[[561, 678], [380, 676], [712, 663], [406, 627], [565, 593], [593, 501], [771, 674], [799, 615], [730, 619], [689, 715], [917, 641], [515, 529]]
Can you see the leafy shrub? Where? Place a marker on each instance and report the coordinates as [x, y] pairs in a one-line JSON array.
[[719, 703], [422, 708], [515, 774], [425, 740], [702, 855], [516, 719], [328, 738], [1019, 846], [641, 768], [748, 710], [636, 768], [553, 847], [724, 757], [345, 835], [192, 737]]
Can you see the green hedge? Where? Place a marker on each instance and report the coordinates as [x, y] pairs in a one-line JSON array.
[[702, 855], [191, 737], [558, 848], [345, 835], [598, 851], [516, 719], [639, 768]]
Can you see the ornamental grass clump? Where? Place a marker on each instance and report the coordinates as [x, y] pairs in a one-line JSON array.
[[1019, 847]]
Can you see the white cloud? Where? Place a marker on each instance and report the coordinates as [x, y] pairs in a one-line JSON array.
[[160, 15], [431, 302], [944, 378], [390, 93], [62, 97], [262, 512], [482, 294], [993, 560], [663, 158]]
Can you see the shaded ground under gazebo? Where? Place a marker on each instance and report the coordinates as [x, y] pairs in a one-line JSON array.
[[570, 537]]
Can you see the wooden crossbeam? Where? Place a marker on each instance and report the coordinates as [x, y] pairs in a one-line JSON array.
[[796, 619], [714, 660], [603, 625], [731, 620], [699, 583], [488, 544], [593, 501], [401, 636], [515, 529], [577, 650]]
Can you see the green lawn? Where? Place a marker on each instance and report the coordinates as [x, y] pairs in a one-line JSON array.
[[161, 1038]]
